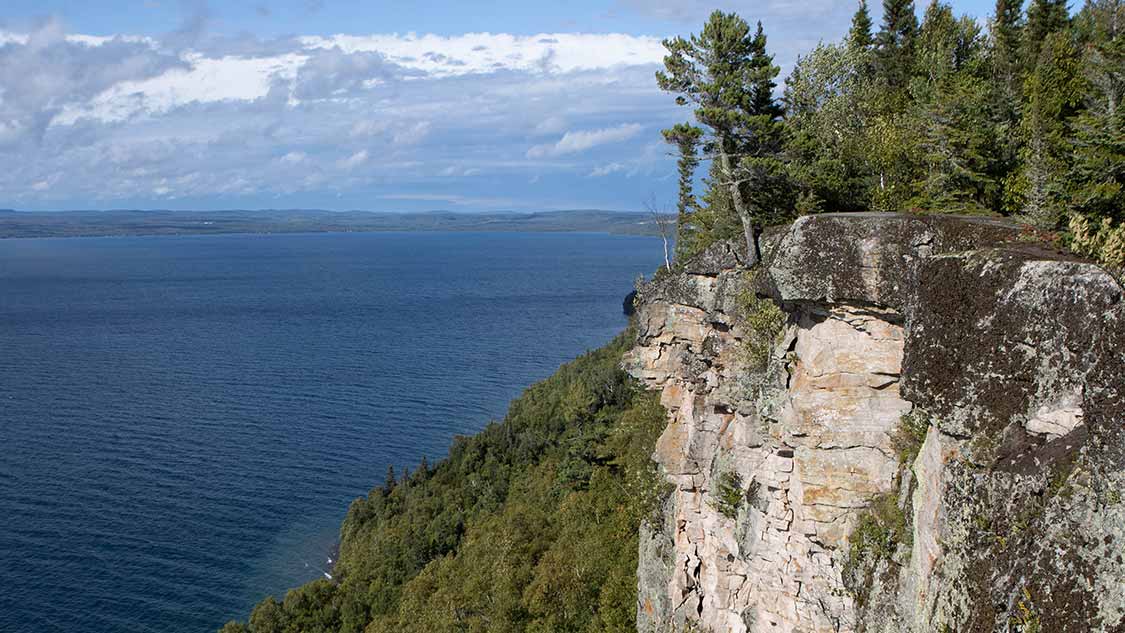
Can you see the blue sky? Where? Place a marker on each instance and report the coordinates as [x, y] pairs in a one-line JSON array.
[[391, 105]]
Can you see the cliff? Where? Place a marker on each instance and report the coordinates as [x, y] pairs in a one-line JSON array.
[[896, 423]]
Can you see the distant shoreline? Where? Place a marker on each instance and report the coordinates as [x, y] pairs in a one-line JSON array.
[[57, 224]]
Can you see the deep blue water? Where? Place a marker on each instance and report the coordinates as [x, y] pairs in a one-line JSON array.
[[183, 420]]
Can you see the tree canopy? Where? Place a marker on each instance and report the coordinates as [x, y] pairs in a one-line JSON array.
[[1022, 118]]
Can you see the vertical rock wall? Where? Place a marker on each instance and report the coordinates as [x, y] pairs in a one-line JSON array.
[[774, 464]]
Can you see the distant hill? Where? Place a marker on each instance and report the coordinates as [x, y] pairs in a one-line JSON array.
[[162, 222]]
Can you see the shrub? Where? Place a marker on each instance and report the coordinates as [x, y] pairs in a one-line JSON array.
[[908, 437], [729, 494], [761, 320], [1099, 240]]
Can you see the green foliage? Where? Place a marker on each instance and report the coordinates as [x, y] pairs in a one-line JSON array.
[[729, 78], [1044, 17], [908, 437], [729, 495], [530, 525], [859, 36], [952, 109], [686, 138], [878, 533], [828, 101], [894, 44], [761, 322], [1097, 170], [939, 117], [1100, 240], [1054, 89]]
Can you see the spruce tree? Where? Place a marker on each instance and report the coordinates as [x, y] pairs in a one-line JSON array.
[[894, 45], [1006, 74], [1043, 18], [1097, 166], [686, 138], [951, 105], [763, 130], [859, 37], [1054, 92], [1006, 29]]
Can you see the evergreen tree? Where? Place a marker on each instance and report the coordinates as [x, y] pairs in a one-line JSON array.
[[1097, 172], [1006, 30], [1054, 92], [1005, 87], [1043, 18], [950, 94], [762, 137], [894, 45], [727, 74], [389, 482], [859, 37], [686, 138], [827, 114]]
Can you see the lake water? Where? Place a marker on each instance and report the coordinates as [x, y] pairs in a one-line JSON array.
[[184, 420]]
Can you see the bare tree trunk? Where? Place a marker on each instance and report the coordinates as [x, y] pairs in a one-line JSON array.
[[659, 216], [752, 254]]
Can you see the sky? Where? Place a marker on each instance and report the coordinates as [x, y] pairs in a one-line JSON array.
[[386, 105]]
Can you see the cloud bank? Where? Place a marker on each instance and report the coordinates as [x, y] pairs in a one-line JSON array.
[[349, 121]]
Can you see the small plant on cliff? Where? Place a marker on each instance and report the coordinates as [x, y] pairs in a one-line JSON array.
[[729, 494], [761, 320], [881, 528], [908, 437]]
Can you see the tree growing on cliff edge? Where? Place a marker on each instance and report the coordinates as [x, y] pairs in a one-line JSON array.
[[727, 74], [686, 138]]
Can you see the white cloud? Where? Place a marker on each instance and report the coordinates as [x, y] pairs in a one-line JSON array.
[[473, 53], [606, 170], [109, 121], [574, 142], [206, 80], [353, 161], [413, 134]]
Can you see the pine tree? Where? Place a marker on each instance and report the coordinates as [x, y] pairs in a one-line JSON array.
[[726, 72], [686, 138], [859, 37], [894, 45]]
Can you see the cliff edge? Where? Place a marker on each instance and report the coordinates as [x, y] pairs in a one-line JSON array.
[[896, 423]]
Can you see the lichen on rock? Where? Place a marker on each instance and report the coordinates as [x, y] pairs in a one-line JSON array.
[[933, 441]]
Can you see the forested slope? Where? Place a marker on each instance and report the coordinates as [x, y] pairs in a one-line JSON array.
[[529, 526]]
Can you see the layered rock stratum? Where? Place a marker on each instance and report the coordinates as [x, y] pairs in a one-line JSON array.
[[928, 436]]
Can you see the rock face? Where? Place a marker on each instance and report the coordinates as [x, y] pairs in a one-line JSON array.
[[932, 439]]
